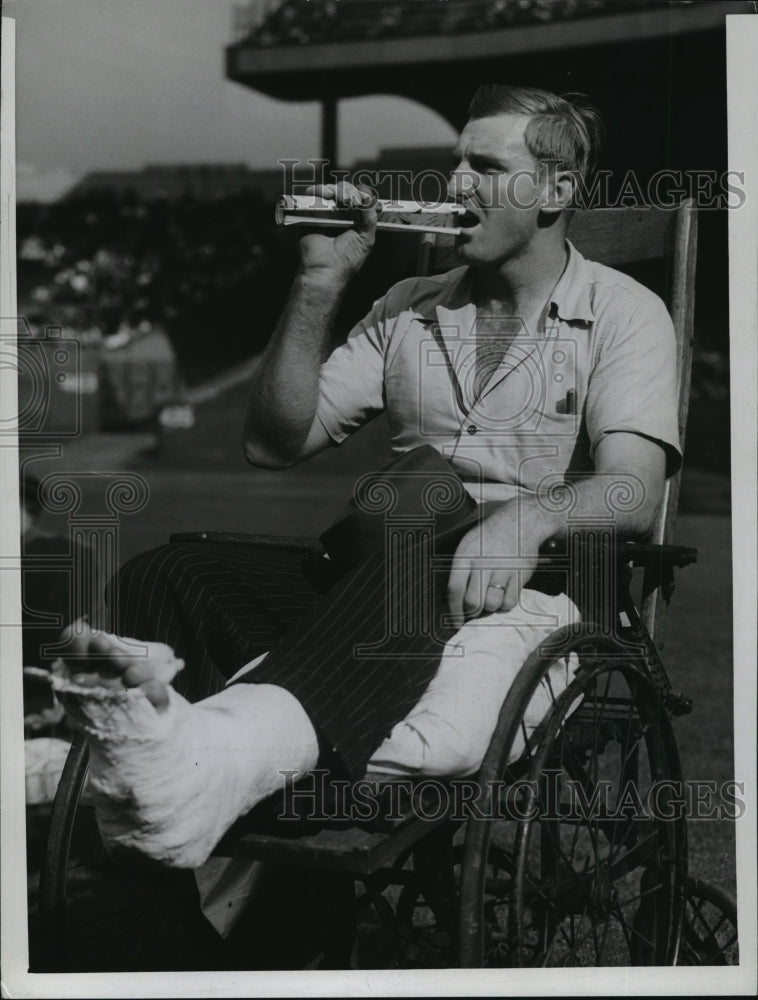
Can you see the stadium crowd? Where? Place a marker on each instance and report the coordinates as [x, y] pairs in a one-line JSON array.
[[293, 22]]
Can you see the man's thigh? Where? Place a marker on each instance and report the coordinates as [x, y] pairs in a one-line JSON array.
[[217, 605]]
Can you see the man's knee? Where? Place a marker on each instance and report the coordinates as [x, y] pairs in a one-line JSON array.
[[136, 567], [165, 561]]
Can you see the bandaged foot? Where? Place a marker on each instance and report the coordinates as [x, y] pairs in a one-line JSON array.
[[168, 778]]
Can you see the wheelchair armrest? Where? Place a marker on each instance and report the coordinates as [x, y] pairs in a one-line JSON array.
[[644, 554], [657, 561], [295, 543]]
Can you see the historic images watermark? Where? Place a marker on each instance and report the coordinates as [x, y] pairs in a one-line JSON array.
[[322, 798], [710, 190]]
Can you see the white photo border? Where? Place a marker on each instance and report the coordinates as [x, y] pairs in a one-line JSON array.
[[742, 42]]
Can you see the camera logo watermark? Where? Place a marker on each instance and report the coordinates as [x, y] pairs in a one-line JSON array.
[[63, 575], [51, 384]]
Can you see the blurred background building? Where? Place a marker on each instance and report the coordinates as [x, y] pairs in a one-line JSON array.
[[203, 181]]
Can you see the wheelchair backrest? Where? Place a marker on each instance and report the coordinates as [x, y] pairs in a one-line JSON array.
[[658, 247]]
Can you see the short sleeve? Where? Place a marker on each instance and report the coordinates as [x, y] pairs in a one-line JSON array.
[[633, 384], [351, 381]]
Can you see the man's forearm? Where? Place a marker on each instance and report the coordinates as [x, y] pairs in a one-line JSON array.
[[621, 499], [519, 527], [284, 388]]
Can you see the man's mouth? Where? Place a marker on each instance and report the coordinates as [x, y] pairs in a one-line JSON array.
[[468, 220]]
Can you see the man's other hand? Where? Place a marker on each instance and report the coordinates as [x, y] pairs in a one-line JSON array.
[[338, 257], [514, 531]]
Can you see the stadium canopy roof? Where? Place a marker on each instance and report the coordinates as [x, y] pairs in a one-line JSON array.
[[325, 60]]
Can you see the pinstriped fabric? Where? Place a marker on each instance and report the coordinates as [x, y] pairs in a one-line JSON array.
[[217, 605], [355, 676], [220, 606]]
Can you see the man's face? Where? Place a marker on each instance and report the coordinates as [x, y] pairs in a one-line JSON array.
[[497, 179]]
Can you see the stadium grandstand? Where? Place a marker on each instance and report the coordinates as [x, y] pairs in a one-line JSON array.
[[286, 22], [327, 50]]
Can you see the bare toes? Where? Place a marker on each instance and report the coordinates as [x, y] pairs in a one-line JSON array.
[[139, 673], [157, 694], [107, 648]]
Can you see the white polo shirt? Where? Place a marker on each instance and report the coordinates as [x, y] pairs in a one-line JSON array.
[[606, 361]]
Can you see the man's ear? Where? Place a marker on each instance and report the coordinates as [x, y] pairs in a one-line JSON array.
[[558, 186]]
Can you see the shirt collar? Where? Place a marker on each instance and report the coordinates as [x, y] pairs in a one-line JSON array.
[[570, 297]]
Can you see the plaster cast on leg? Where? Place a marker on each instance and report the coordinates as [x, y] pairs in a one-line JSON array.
[[449, 729], [169, 784]]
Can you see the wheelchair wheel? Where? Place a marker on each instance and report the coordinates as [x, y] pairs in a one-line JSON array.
[[709, 936], [99, 916], [594, 871]]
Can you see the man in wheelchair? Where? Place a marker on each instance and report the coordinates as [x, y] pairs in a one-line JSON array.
[[525, 367]]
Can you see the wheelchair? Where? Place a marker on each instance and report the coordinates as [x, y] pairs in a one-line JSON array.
[[572, 851], [569, 848]]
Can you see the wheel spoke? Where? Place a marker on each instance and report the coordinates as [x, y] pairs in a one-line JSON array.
[[605, 931], [642, 895], [623, 925], [713, 930], [625, 754], [525, 736], [637, 744], [577, 879], [632, 858], [572, 946], [592, 935], [732, 940]]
